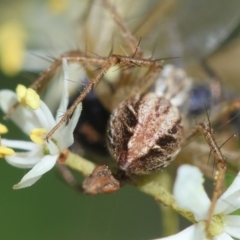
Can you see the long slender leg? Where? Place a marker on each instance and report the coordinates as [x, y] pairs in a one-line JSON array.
[[42, 81], [207, 131], [68, 177], [130, 39], [111, 61]]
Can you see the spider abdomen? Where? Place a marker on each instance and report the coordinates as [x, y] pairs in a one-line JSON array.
[[144, 133]]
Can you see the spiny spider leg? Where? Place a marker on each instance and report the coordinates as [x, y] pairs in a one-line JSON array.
[[68, 177], [206, 130], [72, 57], [130, 39], [75, 57], [109, 62], [225, 110], [142, 86]]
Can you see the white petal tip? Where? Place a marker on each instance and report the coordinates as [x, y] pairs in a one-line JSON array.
[[16, 186]]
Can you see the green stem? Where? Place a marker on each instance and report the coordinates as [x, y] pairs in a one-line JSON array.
[[148, 184], [79, 163], [151, 186], [170, 223]]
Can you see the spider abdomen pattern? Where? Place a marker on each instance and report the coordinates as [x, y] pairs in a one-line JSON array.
[[144, 133]]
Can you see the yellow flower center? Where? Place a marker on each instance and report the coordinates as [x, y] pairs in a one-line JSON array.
[[28, 97], [37, 135], [217, 225], [5, 151], [3, 129]]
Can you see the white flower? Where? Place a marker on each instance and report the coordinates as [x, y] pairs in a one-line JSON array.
[[190, 195], [40, 157]]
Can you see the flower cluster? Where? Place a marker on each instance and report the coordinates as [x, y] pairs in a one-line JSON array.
[[34, 118]]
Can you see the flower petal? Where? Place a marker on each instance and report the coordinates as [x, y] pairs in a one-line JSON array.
[[22, 117], [230, 199], [26, 119], [53, 149], [189, 192], [37, 171], [45, 117], [65, 135], [194, 232], [25, 159], [223, 236], [232, 225], [65, 96], [24, 145]]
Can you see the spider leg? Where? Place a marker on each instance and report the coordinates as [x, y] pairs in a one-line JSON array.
[[206, 130], [42, 81], [109, 62], [130, 39], [68, 177]]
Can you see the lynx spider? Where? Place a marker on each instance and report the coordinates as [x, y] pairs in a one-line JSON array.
[[144, 83]]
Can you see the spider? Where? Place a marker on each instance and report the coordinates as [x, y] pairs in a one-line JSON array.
[[126, 89]]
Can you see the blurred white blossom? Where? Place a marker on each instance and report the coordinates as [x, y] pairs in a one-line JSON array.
[[191, 196]]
